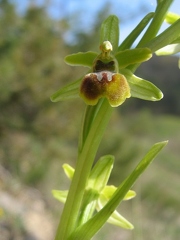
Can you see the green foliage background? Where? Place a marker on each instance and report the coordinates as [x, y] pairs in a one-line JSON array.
[[38, 136]]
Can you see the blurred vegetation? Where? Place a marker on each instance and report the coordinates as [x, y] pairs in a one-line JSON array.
[[37, 136]]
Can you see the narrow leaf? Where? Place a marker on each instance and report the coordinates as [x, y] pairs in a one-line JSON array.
[[85, 59], [110, 31], [141, 88], [131, 56], [70, 91], [165, 38], [127, 43], [156, 23], [90, 228]]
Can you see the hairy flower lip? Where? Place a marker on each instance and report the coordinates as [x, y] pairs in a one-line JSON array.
[[113, 86]]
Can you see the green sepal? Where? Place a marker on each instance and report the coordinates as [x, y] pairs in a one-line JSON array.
[[67, 92], [90, 228], [127, 43], [171, 17], [60, 195], [115, 218], [85, 59], [109, 190], [118, 220], [131, 56], [69, 171], [110, 31], [169, 49], [141, 88]]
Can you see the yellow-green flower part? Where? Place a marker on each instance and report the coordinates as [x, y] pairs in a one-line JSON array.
[[113, 86]]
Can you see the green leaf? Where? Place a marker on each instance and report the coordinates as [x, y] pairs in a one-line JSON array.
[[127, 43], [131, 56], [85, 59], [156, 23], [90, 228], [165, 38], [141, 88], [110, 31], [70, 91]]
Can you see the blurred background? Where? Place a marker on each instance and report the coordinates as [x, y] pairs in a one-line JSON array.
[[38, 136]]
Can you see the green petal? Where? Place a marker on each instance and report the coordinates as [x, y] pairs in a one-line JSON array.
[[85, 59], [115, 218], [60, 195], [70, 91], [110, 31], [131, 56], [141, 88]]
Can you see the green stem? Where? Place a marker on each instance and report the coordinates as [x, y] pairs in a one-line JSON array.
[[83, 166]]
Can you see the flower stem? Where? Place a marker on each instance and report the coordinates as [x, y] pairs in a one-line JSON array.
[[83, 167]]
